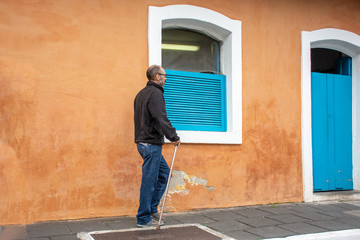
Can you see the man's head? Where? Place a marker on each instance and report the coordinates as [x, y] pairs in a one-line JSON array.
[[156, 74]]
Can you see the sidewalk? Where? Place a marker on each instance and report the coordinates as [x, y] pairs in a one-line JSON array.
[[251, 222]]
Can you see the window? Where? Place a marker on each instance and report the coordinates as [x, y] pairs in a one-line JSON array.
[[330, 61], [190, 51], [227, 33], [195, 97]]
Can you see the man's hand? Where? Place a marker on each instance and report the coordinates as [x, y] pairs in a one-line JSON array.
[[177, 143]]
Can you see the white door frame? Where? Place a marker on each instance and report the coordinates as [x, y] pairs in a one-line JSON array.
[[348, 43]]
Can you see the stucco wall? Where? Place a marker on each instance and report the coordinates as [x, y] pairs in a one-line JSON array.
[[69, 71]]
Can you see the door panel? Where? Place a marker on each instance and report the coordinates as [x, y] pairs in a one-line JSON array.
[[319, 113], [343, 132], [331, 131]]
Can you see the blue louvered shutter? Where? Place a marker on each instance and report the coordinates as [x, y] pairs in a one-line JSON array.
[[196, 101]]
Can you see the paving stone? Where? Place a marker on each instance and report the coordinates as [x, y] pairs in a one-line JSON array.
[[241, 235], [314, 216], [270, 232], [237, 208], [329, 207], [252, 212], [303, 208], [47, 229], [168, 221], [354, 213], [71, 237], [42, 238], [349, 206], [259, 221], [227, 226], [332, 225], [222, 215], [278, 209], [120, 223], [193, 218], [87, 226], [340, 215], [171, 221], [13, 232], [288, 218], [351, 221], [302, 228]]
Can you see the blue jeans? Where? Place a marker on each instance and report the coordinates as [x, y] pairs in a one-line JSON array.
[[155, 173]]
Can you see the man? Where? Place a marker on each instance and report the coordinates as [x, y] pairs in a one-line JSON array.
[[151, 124]]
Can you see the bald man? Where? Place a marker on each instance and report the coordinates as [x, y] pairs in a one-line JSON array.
[[151, 125]]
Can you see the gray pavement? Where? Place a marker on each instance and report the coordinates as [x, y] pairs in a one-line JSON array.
[[243, 223]]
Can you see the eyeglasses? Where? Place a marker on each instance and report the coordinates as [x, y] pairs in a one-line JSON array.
[[162, 74]]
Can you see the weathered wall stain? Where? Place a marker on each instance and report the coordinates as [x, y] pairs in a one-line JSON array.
[[17, 104], [274, 152], [17, 110]]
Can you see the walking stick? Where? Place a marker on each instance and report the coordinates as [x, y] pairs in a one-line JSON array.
[[167, 188]]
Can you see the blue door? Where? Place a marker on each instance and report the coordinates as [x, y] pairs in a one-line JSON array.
[[331, 109]]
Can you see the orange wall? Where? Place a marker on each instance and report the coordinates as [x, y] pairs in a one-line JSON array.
[[69, 71]]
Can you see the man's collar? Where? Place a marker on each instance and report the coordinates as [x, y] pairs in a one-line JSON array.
[[156, 85]]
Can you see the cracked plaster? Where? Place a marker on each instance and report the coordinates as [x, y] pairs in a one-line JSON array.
[[180, 179]]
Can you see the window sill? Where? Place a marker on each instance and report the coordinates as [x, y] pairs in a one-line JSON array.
[[203, 137]]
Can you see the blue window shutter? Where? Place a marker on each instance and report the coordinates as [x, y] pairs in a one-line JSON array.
[[196, 101]]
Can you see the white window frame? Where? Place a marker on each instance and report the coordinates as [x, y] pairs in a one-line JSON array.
[[219, 27], [348, 43]]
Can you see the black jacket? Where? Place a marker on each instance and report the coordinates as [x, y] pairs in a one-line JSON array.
[[150, 118]]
